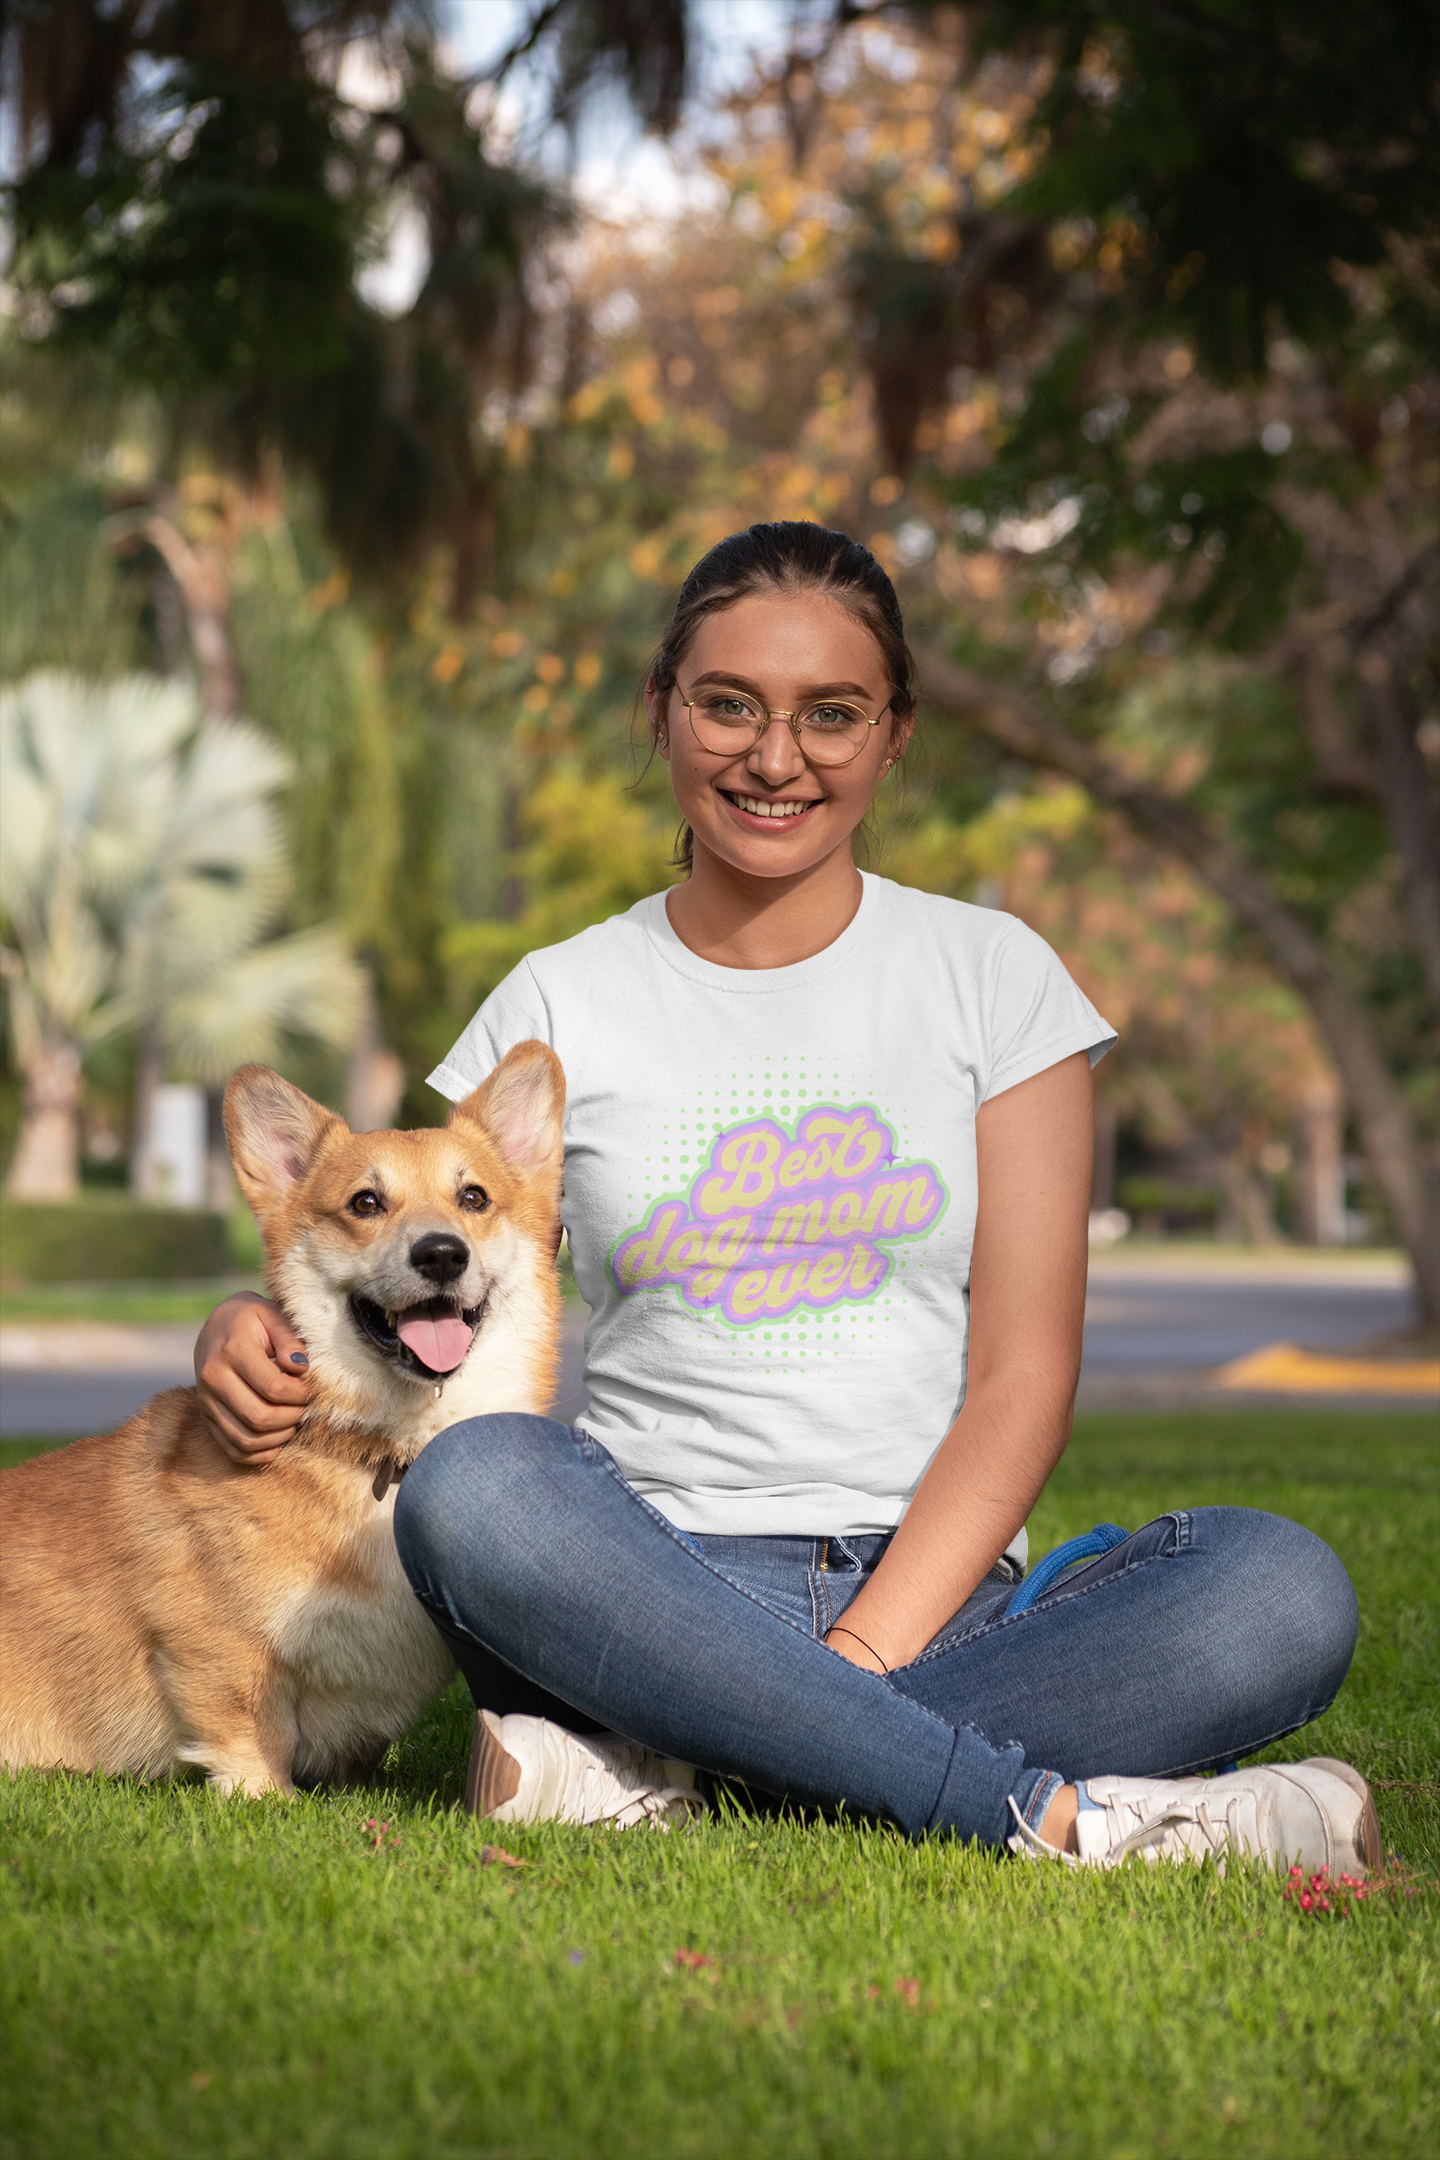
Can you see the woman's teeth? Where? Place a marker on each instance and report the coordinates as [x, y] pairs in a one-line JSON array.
[[757, 808]]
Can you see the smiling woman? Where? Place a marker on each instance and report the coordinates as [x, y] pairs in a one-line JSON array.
[[827, 1169]]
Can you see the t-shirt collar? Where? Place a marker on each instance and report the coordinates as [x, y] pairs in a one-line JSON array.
[[749, 982]]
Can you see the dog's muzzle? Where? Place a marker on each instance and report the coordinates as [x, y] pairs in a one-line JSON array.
[[382, 1330]]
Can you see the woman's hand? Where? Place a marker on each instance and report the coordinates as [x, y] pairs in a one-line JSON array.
[[848, 1645], [1027, 1315], [250, 1374]]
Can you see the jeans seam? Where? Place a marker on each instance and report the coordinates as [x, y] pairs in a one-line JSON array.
[[819, 1592], [612, 1470], [1034, 1797], [1060, 1595]]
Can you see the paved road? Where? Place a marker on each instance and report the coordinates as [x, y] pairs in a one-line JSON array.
[[1156, 1326], [1138, 1319]]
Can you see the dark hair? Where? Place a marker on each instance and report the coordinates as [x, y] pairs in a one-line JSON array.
[[788, 556]]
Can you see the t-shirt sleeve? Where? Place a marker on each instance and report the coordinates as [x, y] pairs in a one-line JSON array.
[[514, 1012], [1038, 1013]]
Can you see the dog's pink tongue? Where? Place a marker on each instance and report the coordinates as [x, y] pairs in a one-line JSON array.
[[440, 1344]]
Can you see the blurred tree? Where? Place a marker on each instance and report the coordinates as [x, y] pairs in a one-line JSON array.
[[198, 194], [1216, 1059], [1227, 431], [143, 867], [588, 853], [1111, 330]]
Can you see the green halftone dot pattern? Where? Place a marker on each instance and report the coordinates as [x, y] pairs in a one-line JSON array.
[[785, 1090]]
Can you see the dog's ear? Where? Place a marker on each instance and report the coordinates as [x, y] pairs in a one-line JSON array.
[[273, 1132], [521, 1107]]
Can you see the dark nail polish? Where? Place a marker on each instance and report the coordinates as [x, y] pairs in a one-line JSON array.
[[298, 1357]]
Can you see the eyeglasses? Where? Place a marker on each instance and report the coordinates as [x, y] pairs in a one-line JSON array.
[[829, 732]]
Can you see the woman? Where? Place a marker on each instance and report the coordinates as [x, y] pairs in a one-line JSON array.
[[827, 1177]]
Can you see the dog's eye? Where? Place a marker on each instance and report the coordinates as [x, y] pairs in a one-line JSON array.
[[474, 1197], [367, 1203]]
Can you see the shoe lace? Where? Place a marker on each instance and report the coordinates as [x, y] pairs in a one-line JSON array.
[[660, 1806], [1218, 1837], [643, 1793]]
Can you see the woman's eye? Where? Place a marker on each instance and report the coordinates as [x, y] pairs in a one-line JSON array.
[[829, 716], [475, 1198], [728, 708], [367, 1203]]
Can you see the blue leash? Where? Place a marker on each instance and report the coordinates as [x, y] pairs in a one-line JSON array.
[[1102, 1539]]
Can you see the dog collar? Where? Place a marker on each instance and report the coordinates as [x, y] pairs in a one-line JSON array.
[[389, 1473]]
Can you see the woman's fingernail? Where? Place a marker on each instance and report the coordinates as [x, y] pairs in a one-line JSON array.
[[298, 1357]]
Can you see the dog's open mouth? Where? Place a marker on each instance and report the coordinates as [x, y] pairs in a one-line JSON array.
[[430, 1339]]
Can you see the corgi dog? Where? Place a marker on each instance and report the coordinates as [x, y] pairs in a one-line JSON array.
[[160, 1604]]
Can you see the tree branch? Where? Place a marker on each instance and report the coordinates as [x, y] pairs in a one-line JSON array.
[[1387, 1128], [1369, 626]]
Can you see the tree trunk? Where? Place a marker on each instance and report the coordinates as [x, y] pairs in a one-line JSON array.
[[149, 1073], [1246, 1216], [1410, 807], [1387, 1129], [46, 1165], [1320, 1168], [375, 1078], [203, 576], [220, 1188]]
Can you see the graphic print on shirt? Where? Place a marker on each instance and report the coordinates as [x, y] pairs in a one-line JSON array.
[[783, 1217]]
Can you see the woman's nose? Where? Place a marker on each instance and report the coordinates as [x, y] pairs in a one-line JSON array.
[[776, 754]]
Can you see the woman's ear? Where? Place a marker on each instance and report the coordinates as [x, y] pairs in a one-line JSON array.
[[902, 727], [656, 702]]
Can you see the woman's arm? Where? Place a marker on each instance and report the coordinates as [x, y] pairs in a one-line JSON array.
[[250, 1377], [1027, 1315]]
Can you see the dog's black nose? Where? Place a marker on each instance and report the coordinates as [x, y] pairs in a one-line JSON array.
[[440, 1255]]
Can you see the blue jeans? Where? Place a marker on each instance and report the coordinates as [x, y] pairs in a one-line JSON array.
[[563, 1592]]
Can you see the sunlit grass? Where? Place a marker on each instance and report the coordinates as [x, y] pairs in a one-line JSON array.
[[257, 1978], [151, 1304]]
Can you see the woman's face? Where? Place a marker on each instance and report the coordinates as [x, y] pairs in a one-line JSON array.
[[786, 651]]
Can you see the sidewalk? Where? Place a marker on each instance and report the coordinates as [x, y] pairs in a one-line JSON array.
[[1166, 1328]]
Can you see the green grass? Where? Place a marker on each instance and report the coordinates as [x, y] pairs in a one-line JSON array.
[[149, 1304], [251, 1978]]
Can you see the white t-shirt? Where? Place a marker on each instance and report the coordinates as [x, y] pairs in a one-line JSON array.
[[770, 1192]]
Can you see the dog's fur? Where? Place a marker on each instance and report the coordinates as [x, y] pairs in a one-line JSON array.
[[160, 1604]]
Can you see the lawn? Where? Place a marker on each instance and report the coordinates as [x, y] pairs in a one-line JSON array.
[[256, 1978], [120, 1303]]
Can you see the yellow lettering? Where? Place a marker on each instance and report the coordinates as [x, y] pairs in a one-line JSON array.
[[727, 1241], [746, 1176], [643, 1262], [785, 1286], [748, 1293], [860, 1148], [891, 1203], [792, 1170], [827, 1275], [802, 1223], [687, 1251], [846, 1210]]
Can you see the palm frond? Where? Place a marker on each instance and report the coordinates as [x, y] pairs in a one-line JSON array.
[[302, 985]]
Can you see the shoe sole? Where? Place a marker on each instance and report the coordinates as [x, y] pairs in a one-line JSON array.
[[1368, 1837], [493, 1777]]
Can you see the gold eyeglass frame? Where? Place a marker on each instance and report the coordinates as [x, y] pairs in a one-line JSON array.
[[793, 720]]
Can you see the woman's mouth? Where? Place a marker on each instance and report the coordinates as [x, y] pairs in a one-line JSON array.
[[768, 810]]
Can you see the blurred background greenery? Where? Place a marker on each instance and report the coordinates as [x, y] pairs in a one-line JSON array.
[[370, 376]]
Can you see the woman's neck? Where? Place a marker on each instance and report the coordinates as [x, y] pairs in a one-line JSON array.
[[738, 921]]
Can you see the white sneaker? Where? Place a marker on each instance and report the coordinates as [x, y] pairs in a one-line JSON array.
[[1319, 1813], [526, 1770]]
